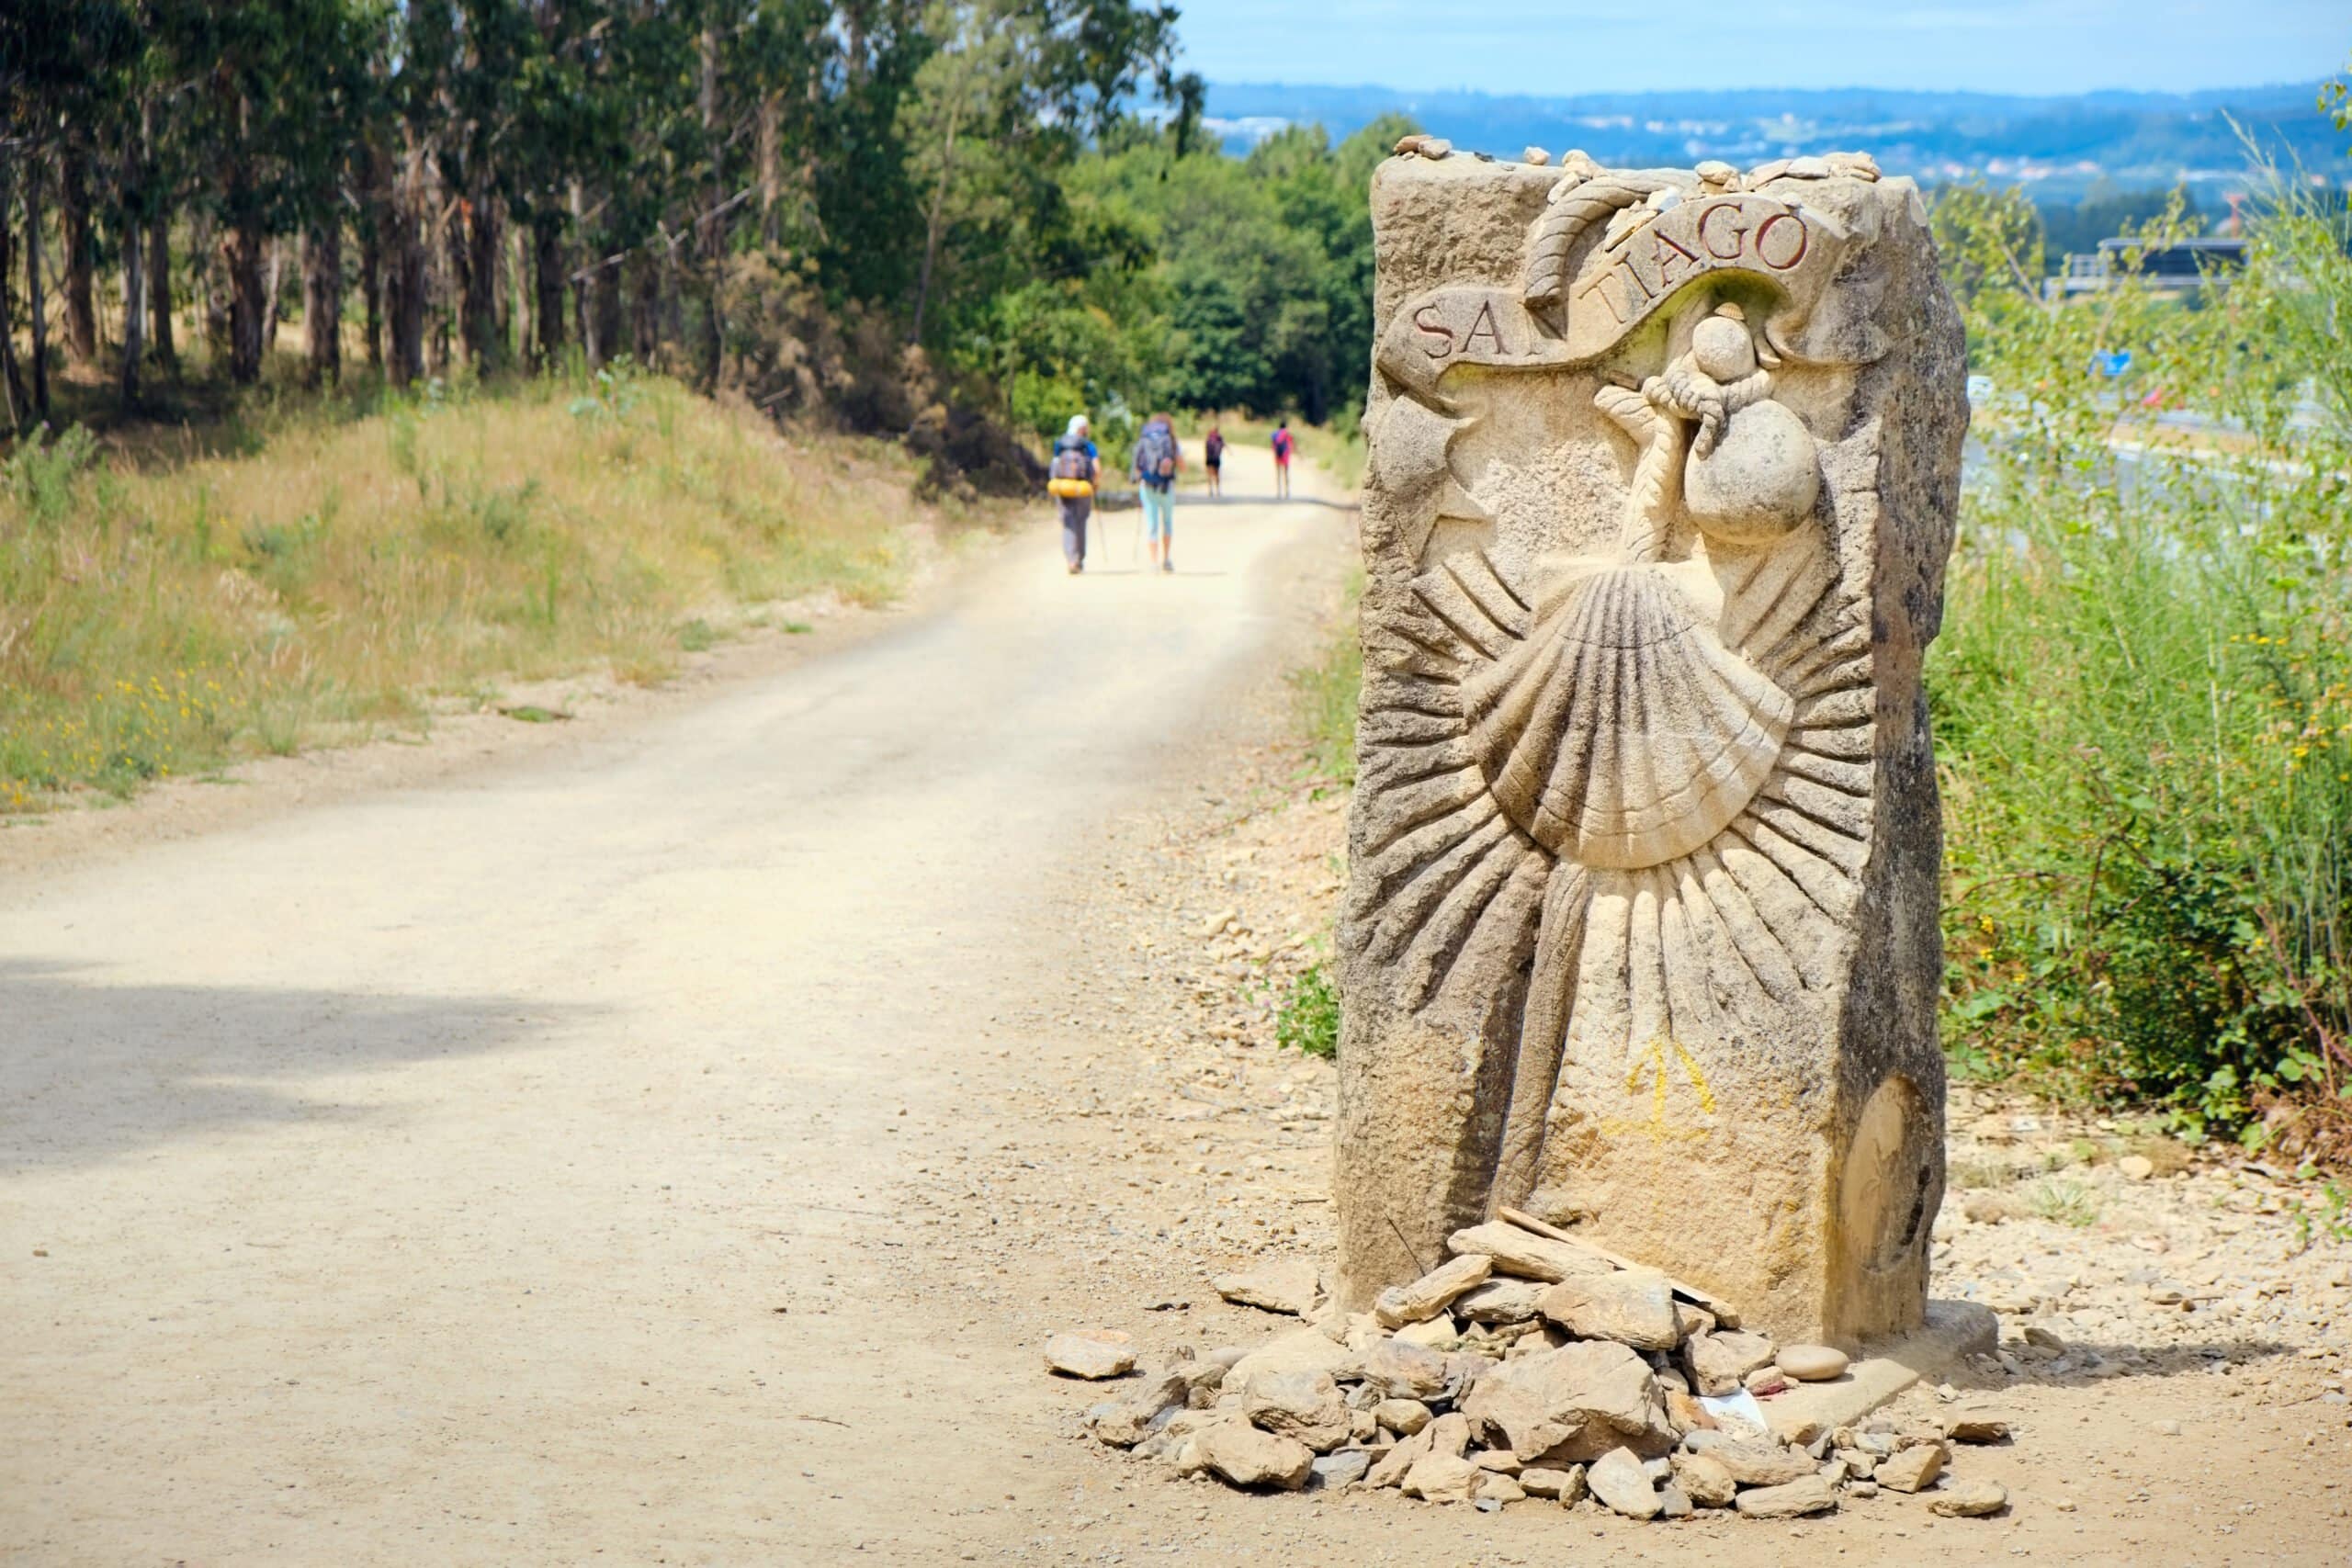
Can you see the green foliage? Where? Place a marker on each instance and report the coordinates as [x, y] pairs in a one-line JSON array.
[[40, 475], [1328, 692], [1261, 295], [2142, 693], [1309, 1019]]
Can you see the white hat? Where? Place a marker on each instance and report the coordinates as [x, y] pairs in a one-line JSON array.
[[1078, 425]]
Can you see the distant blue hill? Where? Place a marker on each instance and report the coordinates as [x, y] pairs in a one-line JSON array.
[[2054, 146]]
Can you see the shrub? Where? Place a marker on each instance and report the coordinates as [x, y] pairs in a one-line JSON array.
[[1309, 1020], [2142, 693]]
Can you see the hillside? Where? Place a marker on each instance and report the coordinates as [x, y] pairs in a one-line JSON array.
[[2056, 146]]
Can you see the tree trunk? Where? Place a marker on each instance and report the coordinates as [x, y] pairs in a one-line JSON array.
[[274, 294], [478, 282], [134, 307], [249, 305], [710, 233], [164, 350], [204, 253], [73, 225], [371, 285], [12, 381], [546, 278], [36, 306], [322, 300], [771, 159], [938, 214], [403, 281], [645, 298], [607, 313], [132, 200]]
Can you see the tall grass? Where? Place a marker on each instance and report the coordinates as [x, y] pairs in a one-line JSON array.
[[1328, 691], [157, 619], [2142, 693]]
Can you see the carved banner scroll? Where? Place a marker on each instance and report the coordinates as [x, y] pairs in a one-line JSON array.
[[1617, 287], [1641, 931]]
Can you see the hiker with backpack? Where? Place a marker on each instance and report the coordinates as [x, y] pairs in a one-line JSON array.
[[1076, 468], [1158, 456], [1213, 459], [1283, 443]]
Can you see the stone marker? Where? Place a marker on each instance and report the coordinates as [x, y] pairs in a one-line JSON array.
[[1642, 927]]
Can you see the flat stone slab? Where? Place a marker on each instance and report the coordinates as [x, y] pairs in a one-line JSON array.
[[1953, 1330]]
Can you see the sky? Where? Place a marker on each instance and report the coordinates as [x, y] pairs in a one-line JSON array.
[[1566, 47]]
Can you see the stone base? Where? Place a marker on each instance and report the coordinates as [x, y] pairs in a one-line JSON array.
[[1953, 1330]]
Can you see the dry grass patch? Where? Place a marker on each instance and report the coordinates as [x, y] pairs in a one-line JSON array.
[[164, 619]]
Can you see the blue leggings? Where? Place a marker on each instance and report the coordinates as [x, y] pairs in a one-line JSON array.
[[1159, 512]]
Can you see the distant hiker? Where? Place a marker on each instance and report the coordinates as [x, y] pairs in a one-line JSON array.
[[1213, 455], [1282, 445], [1158, 456], [1076, 467]]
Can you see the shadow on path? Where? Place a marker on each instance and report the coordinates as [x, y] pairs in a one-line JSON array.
[[91, 1069]]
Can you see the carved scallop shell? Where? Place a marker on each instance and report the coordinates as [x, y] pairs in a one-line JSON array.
[[1622, 733]]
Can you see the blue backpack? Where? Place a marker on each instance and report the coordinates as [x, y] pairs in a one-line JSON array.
[[1155, 452]]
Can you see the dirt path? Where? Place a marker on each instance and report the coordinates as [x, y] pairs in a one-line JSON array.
[[675, 1146]]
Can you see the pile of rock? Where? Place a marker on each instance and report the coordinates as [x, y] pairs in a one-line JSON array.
[[1528, 1366]]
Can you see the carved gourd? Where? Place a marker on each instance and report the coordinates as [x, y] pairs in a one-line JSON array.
[[1759, 478]]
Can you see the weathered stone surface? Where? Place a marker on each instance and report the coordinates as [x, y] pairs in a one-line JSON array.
[[1574, 1403], [1496, 1490], [1442, 1478], [1976, 1426], [1662, 479], [1720, 1362], [1329, 1472], [1500, 1300], [1289, 1286], [1305, 1405], [1525, 1254], [1618, 1479], [1402, 1371], [1811, 1495], [1126, 1423], [1705, 1479], [1812, 1363], [1761, 1464], [1969, 1500], [1247, 1457], [1092, 1353], [1402, 1416], [1449, 1434], [1673, 1503], [1539, 1480], [1424, 1298], [1629, 1307], [1439, 1333], [1911, 1468], [1391, 1468], [1303, 1351]]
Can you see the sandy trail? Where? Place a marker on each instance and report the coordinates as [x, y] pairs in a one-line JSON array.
[[673, 1146], [475, 1172]]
